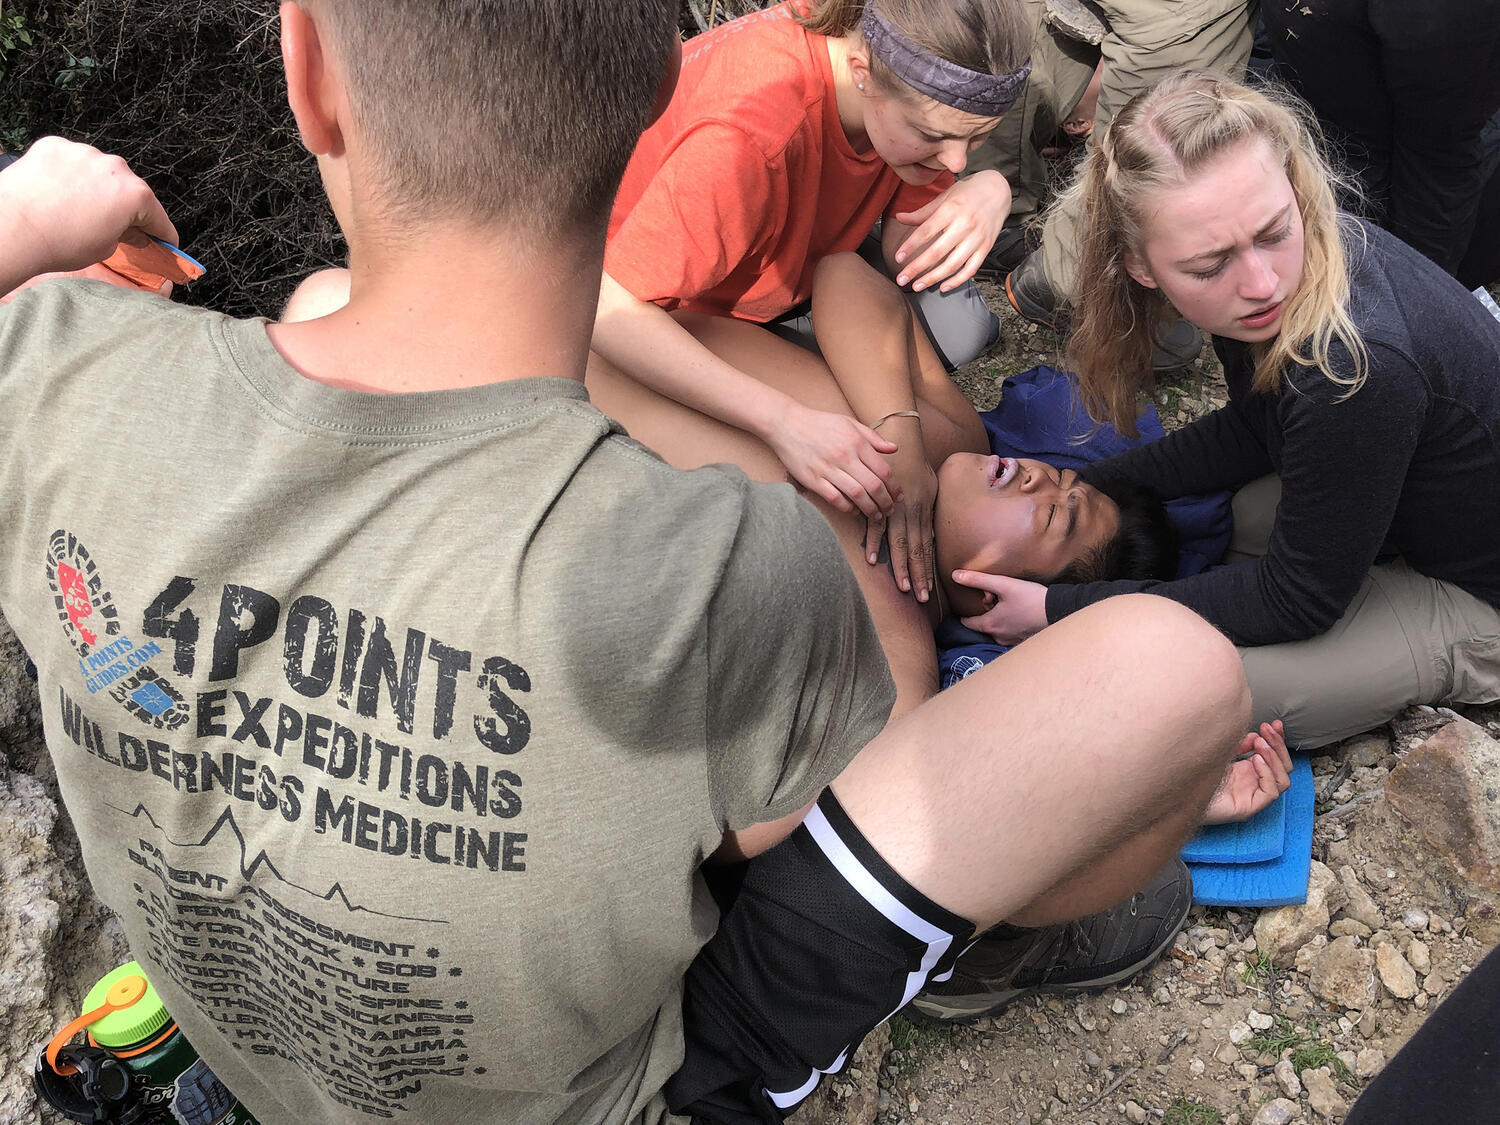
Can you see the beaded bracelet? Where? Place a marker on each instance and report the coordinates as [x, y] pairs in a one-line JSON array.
[[894, 414]]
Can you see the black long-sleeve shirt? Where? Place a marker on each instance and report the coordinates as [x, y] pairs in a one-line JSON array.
[[1410, 461]]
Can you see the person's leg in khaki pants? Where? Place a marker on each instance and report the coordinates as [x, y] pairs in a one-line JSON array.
[[1406, 638]]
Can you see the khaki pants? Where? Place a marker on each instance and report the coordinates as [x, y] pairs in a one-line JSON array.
[[1146, 41], [1405, 639]]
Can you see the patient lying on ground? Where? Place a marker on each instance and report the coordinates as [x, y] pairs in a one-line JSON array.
[[1021, 517]]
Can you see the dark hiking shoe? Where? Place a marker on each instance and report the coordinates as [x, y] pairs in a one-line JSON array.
[[1077, 19], [1178, 343], [1090, 954], [1011, 247], [1031, 294]]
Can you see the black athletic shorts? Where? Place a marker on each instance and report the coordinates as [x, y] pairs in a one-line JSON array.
[[819, 943]]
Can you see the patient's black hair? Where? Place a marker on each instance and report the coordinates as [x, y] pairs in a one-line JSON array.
[[1145, 547]]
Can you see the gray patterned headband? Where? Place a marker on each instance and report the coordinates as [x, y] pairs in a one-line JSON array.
[[984, 95]]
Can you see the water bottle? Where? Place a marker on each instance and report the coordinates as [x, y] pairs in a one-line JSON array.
[[137, 1067]]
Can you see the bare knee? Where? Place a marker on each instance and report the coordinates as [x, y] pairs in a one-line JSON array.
[[1182, 665], [1190, 653]]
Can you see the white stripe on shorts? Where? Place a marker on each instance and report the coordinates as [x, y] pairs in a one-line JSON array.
[[893, 909]]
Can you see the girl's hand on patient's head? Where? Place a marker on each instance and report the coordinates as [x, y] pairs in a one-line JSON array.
[[1261, 774], [1017, 607], [953, 233], [837, 458]]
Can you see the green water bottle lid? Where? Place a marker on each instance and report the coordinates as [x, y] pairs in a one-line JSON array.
[[139, 1013]]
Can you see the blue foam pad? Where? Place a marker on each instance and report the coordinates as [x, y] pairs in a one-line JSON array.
[[1249, 841], [1276, 882]]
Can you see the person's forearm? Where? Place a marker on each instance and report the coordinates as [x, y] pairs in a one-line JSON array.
[[870, 361], [864, 328], [646, 343], [1217, 451], [892, 234]]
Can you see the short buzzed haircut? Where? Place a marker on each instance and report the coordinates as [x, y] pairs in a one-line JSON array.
[[514, 110]]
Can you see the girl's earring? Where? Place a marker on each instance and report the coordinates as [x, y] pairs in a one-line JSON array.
[[860, 85]]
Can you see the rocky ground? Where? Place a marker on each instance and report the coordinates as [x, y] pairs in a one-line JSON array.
[[1253, 1018]]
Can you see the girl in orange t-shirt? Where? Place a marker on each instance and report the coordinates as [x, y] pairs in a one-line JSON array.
[[792, 132]]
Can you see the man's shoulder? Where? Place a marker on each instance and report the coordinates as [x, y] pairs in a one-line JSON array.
[[64, 296], [742, 541], [718, 499], [72, 315]]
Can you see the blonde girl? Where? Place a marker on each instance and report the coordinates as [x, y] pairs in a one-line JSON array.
[[1363, 423]]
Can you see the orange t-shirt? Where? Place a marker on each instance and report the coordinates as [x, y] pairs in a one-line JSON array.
[[747, 180]]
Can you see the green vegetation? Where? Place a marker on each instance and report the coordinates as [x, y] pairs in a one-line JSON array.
[[1258, 968], [13, 32], [1315, 1052], [1187, 1111], [75, 69], [916, 1043], [904, 1033], [15, 40], [1309, 1050], [1281, 1036]]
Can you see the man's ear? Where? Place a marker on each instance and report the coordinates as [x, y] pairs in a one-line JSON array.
[[312, 89], [989, 600], [1136, 267]]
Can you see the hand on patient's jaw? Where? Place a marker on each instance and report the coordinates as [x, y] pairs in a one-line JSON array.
[[908, 527], [1018, 609]]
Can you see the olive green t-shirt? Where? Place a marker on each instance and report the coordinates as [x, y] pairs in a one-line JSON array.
[[395, 727]]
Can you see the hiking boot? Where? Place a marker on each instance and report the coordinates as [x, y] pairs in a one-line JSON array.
[[1010, 248], [1009, 962], [1077, 19], [1178, 343], [1031, 294]]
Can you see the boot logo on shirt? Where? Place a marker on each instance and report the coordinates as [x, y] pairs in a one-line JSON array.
[[108, 659]]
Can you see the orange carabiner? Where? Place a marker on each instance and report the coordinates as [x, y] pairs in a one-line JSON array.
[[123, 993]]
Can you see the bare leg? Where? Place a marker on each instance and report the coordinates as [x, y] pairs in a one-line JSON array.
[[1019, 786]]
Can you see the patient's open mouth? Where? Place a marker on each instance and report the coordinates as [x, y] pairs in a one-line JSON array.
[[1002, 471]]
